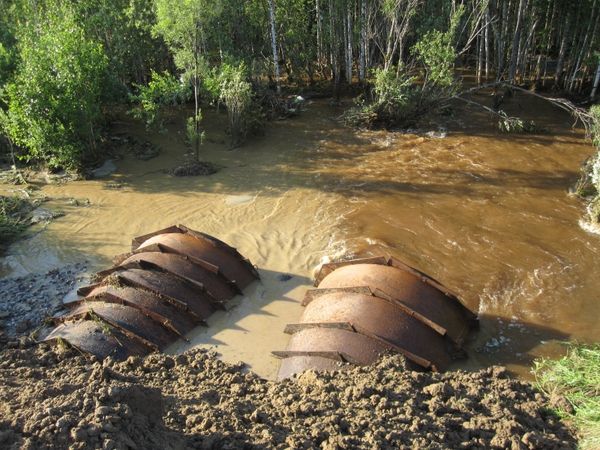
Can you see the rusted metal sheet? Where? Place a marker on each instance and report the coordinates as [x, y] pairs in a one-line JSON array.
[[217, 285], [100, 340], [409, 290], [150, 298], [364, 306], [326, 269], [152, 305], [126, 319], [206, 248], [197, 303], [334, 343], [380, 319], [297, 364]]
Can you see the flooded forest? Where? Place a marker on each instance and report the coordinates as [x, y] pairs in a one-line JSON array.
[[457, 141]]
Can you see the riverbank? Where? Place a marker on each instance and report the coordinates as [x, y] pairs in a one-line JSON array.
[[575, 380], [58, 398]]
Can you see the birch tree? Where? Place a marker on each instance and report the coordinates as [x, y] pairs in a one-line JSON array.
[[181, 25]]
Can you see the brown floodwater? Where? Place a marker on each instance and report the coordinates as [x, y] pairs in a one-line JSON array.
[[487, 214]]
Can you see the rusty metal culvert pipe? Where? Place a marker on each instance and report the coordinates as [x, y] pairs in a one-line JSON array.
[[171, 282], [364, 307]]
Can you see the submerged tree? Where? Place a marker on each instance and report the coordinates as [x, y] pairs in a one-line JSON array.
[[182, 25]]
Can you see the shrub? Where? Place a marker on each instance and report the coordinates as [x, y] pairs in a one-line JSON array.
[[54, 98], [236, 93], [162, 90], [394, 102]]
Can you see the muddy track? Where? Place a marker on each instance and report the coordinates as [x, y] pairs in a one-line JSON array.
[[194, 400]]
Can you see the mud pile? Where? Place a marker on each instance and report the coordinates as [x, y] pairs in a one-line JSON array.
[[60, 399]]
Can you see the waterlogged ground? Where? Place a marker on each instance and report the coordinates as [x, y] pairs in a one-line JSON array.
[[487, 214]]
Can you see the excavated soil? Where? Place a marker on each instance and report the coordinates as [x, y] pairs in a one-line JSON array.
[[57, 398]]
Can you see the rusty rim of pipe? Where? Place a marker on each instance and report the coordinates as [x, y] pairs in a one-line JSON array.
[[183, 267], [141, 241], [429, 301], [154, 295], [99, 339], [395, 306], [155, 307]]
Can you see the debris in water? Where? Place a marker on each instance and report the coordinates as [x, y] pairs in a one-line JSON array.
[[194, 168]]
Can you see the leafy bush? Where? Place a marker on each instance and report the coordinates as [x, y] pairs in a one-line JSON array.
[[236, 93], [394, 102], [54, 99], [194, 134], [227, 84], [437, 52], [162, 90]]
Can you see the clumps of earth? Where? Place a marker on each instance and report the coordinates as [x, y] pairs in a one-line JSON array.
[[56, 397], [194, 168], [27, 300]]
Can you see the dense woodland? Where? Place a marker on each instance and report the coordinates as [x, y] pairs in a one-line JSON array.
[[65, 64]]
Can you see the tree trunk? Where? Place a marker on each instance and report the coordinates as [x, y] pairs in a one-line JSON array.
[[596, 82], [362, 51], [479, 50], [512, 70], [319, 32], [348, 42], [274, 44], [487, 43], [584, 46]]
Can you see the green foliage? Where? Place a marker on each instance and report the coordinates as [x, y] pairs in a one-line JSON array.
[[124, 28], [8, 53], [395, 102], [195, 136], [576, 377], [182, 26], [162, 90], [437, 52], [508, 124], [595, 129], [54, 98], [236, 93]]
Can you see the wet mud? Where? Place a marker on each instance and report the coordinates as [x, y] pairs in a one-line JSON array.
[[194, 400]]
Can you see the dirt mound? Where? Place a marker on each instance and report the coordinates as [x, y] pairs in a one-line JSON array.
[[61, 399], [193, 169]]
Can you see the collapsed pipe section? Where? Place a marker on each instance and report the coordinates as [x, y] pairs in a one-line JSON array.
[[365, 307], [171, 282]]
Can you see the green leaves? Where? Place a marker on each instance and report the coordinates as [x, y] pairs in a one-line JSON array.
[[162, 90], [437, 52], [53, 100]]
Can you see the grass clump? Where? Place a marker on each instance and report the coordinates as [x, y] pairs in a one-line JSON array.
[[13, 211], [576, 378]]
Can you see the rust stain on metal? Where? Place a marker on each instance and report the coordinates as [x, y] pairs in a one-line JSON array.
[[373, 305], [172, 282]]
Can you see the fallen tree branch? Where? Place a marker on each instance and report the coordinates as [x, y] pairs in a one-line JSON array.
[[580, 114]]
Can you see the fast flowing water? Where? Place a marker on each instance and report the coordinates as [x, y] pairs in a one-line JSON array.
[[487, 214]]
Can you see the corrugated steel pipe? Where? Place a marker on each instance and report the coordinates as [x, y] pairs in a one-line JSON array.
[[171, 282], [365, 307]]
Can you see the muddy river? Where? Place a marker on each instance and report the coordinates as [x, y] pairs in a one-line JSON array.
[[487, 214]]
